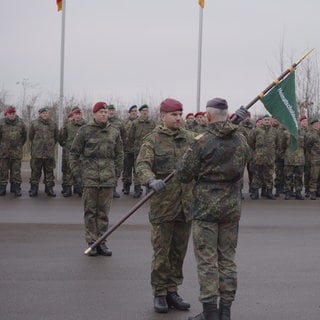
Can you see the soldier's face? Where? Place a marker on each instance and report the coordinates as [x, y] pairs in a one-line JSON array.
[[112, 112], [133, 113], [316, 126], [172, 120], [144, 113], [44, 115], [190, 119], [77, 117], [266, 121], [11, 115], [304, 123], [101, 116]]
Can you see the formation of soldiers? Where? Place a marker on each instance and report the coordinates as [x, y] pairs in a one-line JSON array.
[[273, 169]]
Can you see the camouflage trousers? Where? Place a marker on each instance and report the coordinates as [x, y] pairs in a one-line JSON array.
[[12, 166], [215, 249], [314, 177], [39, 164], [67, 178], [170, 242], [293, 178], [128, 168], [307, 174], [97, 204], [263, 176], [279, 179]]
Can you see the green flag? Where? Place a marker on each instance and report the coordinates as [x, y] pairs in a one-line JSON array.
[[281, 103]]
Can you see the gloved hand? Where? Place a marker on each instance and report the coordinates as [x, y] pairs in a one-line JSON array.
[[241, 114], [157, 185], [78, 181]]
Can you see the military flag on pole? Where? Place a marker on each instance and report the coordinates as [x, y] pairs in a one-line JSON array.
[[59, 5], [201, 3], [282, 104]]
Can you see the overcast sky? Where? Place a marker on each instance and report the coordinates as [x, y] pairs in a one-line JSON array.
[[141, 51]]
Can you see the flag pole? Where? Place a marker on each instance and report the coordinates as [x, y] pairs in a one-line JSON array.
[[275, 82], [60, 111], [199, 58]]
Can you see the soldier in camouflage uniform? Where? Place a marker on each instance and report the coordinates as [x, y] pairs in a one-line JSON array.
[[293, 166], [43, 136], [190, 123], [216, 161], [170, 207], [303, 121], [13, 135], [96, 158], [119, 124], [313, 150], [139, 129], [66, 136], [201, 124], [128, 163], [263, 141]]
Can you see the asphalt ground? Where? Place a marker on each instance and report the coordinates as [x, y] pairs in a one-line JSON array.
[[44, 274]]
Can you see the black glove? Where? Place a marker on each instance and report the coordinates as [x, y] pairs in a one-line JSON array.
[[241, 114], [157, 185], [78, 181]]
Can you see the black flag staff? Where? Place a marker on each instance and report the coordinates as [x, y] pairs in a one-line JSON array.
[[152, 192], [131, 212], [275, 82]]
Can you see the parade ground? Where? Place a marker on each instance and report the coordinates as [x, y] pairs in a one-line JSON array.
[[46, 276]]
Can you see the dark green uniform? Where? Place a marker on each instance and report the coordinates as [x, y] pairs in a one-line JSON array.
[[97, 151], [216, 162], [169, 208]]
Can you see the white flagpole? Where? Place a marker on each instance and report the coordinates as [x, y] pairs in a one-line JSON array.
[[199, 58], [60, 111]]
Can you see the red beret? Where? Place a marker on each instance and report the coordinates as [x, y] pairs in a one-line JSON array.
[[302, 118], [10, 110], [98, 106], [170, 105], [259, 119], [189, 115], [76, 111], [198, 114], [70, 115]]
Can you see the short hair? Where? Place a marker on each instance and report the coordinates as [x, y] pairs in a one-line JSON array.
[[218, 114]]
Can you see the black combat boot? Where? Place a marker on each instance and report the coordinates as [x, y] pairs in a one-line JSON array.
[[93, 252], [33, 192], [103, 250], [225, 311], [126, 188], [137, 191], [11, 187], [160, 304], [313, 196], [49, 191], [263, 192], [176, 302], [269, 195], [307, 193], [16, 189], [67, 191], [3, 188], [77, 190], [299, 196], [254, 194], [210, 312], [63, 190]]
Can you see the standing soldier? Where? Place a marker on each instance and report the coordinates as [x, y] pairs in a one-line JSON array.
[[313, 150], [96, 158], [66, 136], [170, 207], [128, 163], [216, 161], [119, 124], [139, 129], [293, 166], [263, 142], [43, 136], [303, 121], [190, 121], [13, 135]]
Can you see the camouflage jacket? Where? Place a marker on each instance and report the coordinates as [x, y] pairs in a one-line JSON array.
[[216, 161], [127, 146], [263, 141], [100, 149], [68, 132], [246, 127], [313, 146], [13, 135], [119, 124], [43, 135], [295, 158], [139, 129], [157, 158]]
